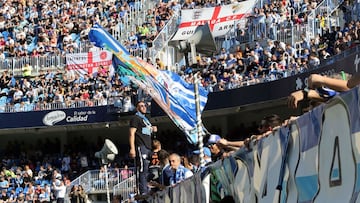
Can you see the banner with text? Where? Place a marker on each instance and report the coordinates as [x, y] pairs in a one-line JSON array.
[[315, 158], [88, 63], [220, 18]]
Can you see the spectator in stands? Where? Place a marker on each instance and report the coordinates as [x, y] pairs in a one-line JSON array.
[[27, 70], [125, 173], [74, 194], [4, 196], [12, 196], [216, 150], [4, 184], [265, 127], [140, 143], [155, 167], [321, 88], [60, 191], [175, 172], [44, 196], [195, 161]]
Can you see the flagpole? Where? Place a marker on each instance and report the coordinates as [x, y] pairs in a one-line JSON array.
[[199, 130]]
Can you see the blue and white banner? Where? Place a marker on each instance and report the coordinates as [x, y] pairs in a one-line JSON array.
[[316, 158], [171, 93]]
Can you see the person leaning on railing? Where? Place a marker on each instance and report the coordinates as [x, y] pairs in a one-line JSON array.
[[321, 88]]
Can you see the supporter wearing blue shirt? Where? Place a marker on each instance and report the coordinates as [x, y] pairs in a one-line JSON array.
[[175, 172], [4, 184]]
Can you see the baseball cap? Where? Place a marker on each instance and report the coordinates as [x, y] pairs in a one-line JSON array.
[[206, 151], [213, 139]]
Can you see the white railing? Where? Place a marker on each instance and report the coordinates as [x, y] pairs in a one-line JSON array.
[[162, 39], [324, 9], [93, 181], [125, 188], [119, 104]]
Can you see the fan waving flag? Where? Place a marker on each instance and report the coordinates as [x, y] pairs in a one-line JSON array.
[[175, 96]]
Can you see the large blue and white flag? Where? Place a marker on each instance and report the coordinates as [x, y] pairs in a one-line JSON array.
[[175, 96]]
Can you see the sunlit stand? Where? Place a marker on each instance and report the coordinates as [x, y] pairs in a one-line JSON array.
[[107, 154]]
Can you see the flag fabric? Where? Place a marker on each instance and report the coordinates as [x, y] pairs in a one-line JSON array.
[[88, 63], [167, 89], [221, 19]]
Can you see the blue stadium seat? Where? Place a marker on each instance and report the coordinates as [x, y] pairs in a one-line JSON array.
[[38, 182], [17, 107], [18, 190], [75, 38], [9, 99], [3, 100], [118, 103], [32, 45], [29, 107], [5, 34], [44, 182], [26, 189], [5, 90]]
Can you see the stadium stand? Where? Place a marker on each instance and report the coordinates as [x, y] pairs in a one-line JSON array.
[[42, 32]]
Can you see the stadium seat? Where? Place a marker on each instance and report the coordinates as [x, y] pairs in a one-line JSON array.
[[9, 99], [5, 90], [18, 190], [32, 45], [29, 107], [118, 103], [44, 182], [5, 34], [3, 100], [17, 107]]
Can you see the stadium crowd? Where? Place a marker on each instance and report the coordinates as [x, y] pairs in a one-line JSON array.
[[41, 28]]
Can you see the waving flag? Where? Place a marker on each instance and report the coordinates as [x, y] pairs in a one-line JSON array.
[[169, 91]]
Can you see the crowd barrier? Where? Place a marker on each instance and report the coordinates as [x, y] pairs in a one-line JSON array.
[[314, 158], [121, 182]]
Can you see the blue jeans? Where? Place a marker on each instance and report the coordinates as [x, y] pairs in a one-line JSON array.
[[143, 169]]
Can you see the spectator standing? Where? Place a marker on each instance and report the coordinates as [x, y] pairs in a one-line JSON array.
[[216, 150], [27, 70], [74, 194], [140, 143], [125, 173], [60, 191], [154, 166]]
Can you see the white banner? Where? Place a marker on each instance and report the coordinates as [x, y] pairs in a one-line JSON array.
[[220, 18], [88, 63]]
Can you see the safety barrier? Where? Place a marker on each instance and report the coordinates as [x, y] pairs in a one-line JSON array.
[[320, 19], [119, 181], [165, 34], [125, 188], [136, 16], [115, 104]]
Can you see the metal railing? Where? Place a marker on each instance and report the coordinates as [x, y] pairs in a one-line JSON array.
[[322, 12], [119, 104], [125, 188], [164, 36], [136, 16], [93, 181]]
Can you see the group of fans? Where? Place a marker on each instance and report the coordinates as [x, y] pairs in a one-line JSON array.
[[55, 27]]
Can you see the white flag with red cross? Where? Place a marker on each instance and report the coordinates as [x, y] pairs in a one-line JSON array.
[[88, 63], [221, 19]]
